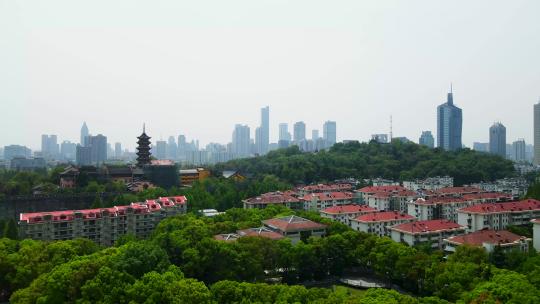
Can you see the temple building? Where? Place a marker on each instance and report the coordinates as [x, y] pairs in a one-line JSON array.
[[143, 149]]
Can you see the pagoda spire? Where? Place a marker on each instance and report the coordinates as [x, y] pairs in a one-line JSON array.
[[143, 148]]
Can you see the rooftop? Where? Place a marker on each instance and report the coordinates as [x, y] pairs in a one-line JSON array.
[[273, 198], [520, 206], [325, 196], [228, 237], [326, 187], [459, 190], [260, 231], [348, 209], [293, 223], [487, 195], [386, 216], [427, 226], [373, 189], [477, 238]]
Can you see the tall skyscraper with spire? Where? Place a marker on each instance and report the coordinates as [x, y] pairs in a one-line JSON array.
[[84, 135], [449, 124], [143, 149]]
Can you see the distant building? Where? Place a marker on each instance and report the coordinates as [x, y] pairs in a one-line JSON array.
[[27, 164], [322, 200], [172, 148], [241, 141], [117, 150], [161, 149], [488, 239], [49, 146], [83, 155], [68, 150], [345, 213], [286, 199], [497, 139], [481, 147], [449, 125], [84, 135], [431, 232], [379, 223], [13, 151], [430, 183], [329, 133], [536, 130], [189, 176], [299, 132], [314, 134], [380, 138], [264, 131], [284, 134], [143, 149], [98, 145], [426, 139], [519, 148]]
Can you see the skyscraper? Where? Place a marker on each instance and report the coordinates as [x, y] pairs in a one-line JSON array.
[[519, 148], [329, 133], [449, 125], [68, 150], [49, 146], [84, 134], [98, 146], [314, 134], [264, 135], [117, 150], [497, 139], [241, 141], [299, 131], [536, 160], [161, 149], [426, 139], [172, 148]]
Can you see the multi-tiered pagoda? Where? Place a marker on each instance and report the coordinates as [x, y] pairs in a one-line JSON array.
[[143, 149]]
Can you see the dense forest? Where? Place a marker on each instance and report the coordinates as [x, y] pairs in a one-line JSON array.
[[182, 263], [397, 161]]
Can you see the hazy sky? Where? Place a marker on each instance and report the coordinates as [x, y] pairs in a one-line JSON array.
[[198, 67]]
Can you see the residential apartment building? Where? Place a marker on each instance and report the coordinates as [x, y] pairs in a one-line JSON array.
[[498, 216], [321, 200], [103, 225], [286, 199], [391, 200], [345, 213], [325, 188], [379, 223], [488, 239], [430, 183], [295, 228], [421, 232]]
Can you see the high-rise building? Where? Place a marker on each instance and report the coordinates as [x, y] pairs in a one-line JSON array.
[[481, 147], [519, 148], [172, 148], [284, 136], [449, 125], [12, 151], [143, 149], [329, 133], [264, 135], [84, 135], [68, 150], [98, 145], [299, 131], [241, 141], [117, 150], [426, 139], [497, 139], [49, 146], [161, 149], [536, 160], [83, 155], [314, 134]]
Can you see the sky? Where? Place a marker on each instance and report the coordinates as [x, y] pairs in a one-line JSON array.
[[200, 67]]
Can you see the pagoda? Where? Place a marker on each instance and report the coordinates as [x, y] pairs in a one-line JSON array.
[[143, 149]]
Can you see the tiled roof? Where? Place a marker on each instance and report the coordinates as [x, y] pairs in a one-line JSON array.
[[373, 189], [477, 238], [459, 190], [348, 209], [326, 187], [427, 226], [487, 195], [260, 231], [273, 198], [384, 217], [439, 200], [293, 223], [324, 196], [68, 215], [521, 206]]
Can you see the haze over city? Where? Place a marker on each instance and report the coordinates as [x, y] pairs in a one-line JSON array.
[[198, 68]]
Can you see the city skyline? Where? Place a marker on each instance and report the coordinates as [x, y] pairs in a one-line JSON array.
[[325, 63]]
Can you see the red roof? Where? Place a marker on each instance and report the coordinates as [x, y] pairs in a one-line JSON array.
[[487, 195], [293, 223], [427, 226], [273, 198], [260, 232], [459, 190], [69, 215], [324, 196], [326, 187], [349, 209], [373, 189], [477, 238], [521, 206], [386, 216]]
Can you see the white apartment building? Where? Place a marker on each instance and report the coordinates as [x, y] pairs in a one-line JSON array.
[[378, 223], [488, 239], [432, 231], [345, 213], [320, 200]]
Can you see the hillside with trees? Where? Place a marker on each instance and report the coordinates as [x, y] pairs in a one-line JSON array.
[[182, 263], [397, 161]]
